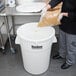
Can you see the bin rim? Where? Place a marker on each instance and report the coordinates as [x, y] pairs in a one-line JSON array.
[[40, 40]]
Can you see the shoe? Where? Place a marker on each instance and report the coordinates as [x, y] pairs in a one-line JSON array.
[[65, 66], [57, 56]]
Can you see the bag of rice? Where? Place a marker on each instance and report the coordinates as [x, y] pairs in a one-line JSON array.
[[50, 17]]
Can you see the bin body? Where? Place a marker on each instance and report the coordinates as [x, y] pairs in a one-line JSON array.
[[35, 51]]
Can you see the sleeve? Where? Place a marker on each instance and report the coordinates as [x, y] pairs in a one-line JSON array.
[[53, 3], [72, 15]]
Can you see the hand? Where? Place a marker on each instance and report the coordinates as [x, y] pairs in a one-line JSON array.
[[61, 15], [48, 6], [65, 14], [45, 8]]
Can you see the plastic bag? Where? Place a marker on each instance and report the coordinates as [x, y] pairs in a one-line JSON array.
[[50, 17]]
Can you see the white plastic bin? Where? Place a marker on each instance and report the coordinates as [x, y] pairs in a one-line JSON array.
[[36, 45]]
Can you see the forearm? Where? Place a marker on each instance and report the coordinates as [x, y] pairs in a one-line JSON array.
[[53, 3]]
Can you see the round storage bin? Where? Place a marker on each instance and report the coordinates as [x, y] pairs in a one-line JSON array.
[[35, 45]]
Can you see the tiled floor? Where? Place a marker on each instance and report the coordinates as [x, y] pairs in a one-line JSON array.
[[11, 65]]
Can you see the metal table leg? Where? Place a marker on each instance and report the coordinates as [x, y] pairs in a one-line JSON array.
[[13, 27], [1, 38], [8, 32]]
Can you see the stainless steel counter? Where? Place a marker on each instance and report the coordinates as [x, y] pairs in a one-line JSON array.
[[12, 12], [9, 11]]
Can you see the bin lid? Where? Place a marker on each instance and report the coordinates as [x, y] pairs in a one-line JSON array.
[[32, 32]]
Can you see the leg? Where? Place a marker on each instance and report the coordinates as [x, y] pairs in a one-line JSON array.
[[71, 49], [62, 44]]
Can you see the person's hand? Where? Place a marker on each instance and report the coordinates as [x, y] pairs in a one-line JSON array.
[[48, 6], [61, 15], [64, 14]]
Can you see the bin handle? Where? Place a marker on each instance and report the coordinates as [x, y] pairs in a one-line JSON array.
[[17, 40], [54, 39], [36, 47]]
